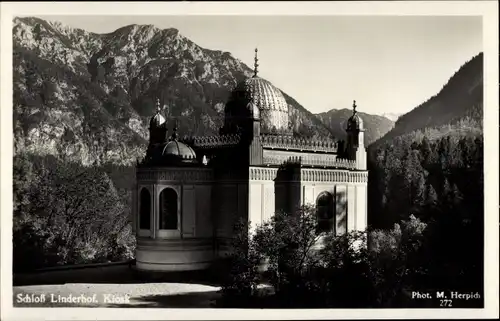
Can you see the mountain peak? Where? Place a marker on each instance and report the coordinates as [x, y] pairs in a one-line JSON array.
[[392, 116], [89, 96]]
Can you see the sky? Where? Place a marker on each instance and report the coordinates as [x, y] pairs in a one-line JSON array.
[[388, 64]]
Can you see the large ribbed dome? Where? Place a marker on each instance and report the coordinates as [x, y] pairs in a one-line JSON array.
[[256, 98], [270, 102], [264, 94]]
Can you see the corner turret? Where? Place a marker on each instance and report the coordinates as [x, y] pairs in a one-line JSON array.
[[355, 139], [157, 128]]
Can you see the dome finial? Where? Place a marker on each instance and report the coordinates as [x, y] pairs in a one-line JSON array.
[[354, 107], [256, 65], [157, 119], [158, 108]]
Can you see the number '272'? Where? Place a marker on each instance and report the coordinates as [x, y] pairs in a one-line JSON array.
[[445, 303]]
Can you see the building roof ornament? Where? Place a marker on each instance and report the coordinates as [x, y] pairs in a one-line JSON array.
[[355, 122], [256, 65], [158, 108], [157, 120], [269, 105]]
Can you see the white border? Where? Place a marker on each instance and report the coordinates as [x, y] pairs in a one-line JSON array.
[[487, 9]]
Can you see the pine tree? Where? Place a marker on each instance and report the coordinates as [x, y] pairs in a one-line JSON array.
[[446, 197], [419, 190], [443, 149], [425, 149]]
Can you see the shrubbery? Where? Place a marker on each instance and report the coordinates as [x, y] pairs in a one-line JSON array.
[[307, 269], [66, 214]]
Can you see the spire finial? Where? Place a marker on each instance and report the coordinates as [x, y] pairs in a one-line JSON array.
[[354, 106], [158, 108], [256, 65]]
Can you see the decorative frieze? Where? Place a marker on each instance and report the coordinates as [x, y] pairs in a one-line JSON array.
[[301, 144], [255, 173], [175, 174], [212, 141], [332, 175], [262, 173], [311, 175], [309, 160]]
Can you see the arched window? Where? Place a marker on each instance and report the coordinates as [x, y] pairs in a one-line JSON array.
[[145, 210], [324, 211], [168, 209]]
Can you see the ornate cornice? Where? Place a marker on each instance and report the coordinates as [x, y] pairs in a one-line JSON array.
[[230, 140], [332, 175], [262, 173], [301, 144], [175, 174], [255, 173], [310, 175], [310, 160]]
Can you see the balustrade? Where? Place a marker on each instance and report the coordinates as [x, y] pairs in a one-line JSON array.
[[310, 160], [287, 142]]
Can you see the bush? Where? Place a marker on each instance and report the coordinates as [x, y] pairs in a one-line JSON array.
[[287, 243], [395, 262], [347, 271], [239, 270], [358, 269], [66, 214]]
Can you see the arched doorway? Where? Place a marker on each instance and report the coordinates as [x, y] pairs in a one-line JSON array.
[[325, 211], [168, 210], [144, 209]]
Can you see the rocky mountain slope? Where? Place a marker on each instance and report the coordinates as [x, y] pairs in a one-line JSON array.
[[456, 110], [376, 126], [87, 97]]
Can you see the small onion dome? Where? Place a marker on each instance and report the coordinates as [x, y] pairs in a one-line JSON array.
[[180, 151], [355, 122], [157, 120], [173, 153]]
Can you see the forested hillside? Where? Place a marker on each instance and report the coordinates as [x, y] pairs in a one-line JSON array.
[[456, 109], [431, 166]]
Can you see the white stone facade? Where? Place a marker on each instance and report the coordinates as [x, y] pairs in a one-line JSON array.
[[192, 243], [190, 192]]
